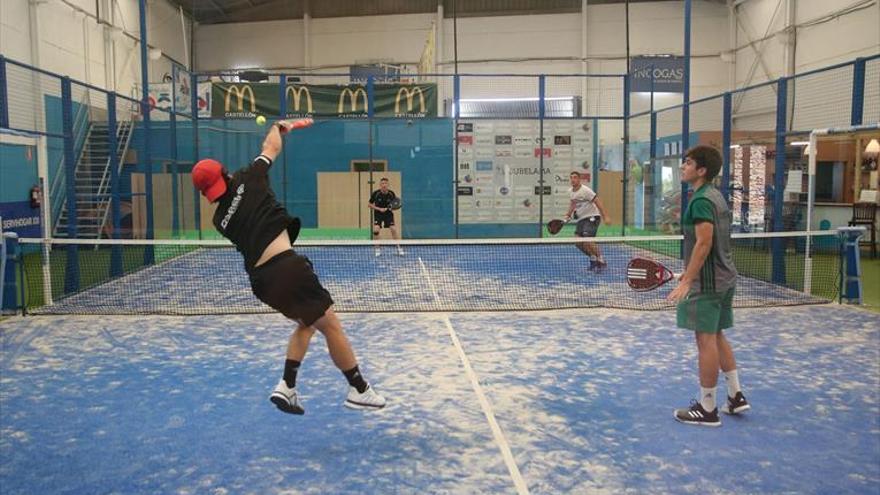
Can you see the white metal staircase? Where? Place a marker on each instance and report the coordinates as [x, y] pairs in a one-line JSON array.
[[92, 181]]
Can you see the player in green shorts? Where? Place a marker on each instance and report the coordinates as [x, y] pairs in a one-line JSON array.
[[705, 290]]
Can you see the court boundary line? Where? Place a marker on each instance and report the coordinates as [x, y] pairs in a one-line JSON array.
[[500, 439]]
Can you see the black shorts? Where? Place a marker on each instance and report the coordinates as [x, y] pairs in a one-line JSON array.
[[587, 227], [288, 284], [383, 219]]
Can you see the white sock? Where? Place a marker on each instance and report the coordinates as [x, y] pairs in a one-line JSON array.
[[707, 398], [732, 382]]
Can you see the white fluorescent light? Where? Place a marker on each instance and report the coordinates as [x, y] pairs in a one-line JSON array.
[[475, 100], [799, 143]]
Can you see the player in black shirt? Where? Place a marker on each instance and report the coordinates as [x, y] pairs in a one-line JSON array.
[[261, 229], [383, 217]]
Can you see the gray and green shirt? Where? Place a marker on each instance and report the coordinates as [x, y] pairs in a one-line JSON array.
[[718, 273]]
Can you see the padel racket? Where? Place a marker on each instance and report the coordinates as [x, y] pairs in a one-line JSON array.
[[396, 204], [644, 274], [555, 225]]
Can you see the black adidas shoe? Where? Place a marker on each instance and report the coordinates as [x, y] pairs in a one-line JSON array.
[[696, 415], [736, 405]]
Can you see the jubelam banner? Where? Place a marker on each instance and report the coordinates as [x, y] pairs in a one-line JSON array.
[[246, 100]]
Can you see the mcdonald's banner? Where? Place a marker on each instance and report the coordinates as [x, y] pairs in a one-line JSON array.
[[246, 100]]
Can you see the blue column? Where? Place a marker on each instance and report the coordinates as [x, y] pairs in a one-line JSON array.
[[456, 108], [725, 146], [596, 155], [656, 172], [71, 275], [175, 204], [194, 102], [282, 96], [625, 185], [145, 111], [371, 95], [777, 246], [542, 112], [686, 99], [4, 100], [858, 92], [10, 255], [113, 145]]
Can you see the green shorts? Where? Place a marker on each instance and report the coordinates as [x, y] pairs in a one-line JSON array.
[[706, 312]]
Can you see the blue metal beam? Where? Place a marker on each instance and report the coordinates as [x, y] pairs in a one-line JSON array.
[[146, 159]]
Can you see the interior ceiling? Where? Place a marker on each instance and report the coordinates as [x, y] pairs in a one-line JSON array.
[[226, 11]]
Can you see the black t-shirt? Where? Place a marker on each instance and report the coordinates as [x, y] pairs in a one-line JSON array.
[[382, 200], [249, 215]]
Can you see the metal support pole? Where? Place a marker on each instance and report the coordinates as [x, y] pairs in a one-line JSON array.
[[777, 246], [686, 99], [145, 112], [115, 216], [726, 125], [71, 275], [542, 88]]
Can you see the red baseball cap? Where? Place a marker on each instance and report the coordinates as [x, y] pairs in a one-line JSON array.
[[207, 176]]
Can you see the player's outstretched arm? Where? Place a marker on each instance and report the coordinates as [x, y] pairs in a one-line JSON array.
[[272, 144]]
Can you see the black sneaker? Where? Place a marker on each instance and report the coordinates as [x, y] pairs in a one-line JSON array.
[[736, 405], [696, 415]]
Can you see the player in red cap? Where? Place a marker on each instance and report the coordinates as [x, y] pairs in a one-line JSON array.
[[261, 229]]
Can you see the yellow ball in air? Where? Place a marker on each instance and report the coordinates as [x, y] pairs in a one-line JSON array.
[[261, 120]]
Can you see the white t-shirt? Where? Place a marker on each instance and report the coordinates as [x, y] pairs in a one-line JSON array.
[[584, 202]]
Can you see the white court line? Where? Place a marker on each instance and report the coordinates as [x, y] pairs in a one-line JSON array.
[[503, 446]]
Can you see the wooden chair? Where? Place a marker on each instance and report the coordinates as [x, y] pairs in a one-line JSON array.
[[865, 214]]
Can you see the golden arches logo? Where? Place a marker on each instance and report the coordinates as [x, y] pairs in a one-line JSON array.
[[294, 94], [410, 95], [240, 93], [353, 98]]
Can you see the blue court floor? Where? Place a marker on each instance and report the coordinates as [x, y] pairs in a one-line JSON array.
[[576, 401]]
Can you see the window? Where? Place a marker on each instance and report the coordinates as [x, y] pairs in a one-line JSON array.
[[364, 165], [829, 181]]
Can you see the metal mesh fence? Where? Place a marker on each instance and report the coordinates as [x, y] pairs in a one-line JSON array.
[[669, 152], [507, 174], [34, 99], [821, 99], [708, 116], [871, 106], [641, 176], [755, 109]]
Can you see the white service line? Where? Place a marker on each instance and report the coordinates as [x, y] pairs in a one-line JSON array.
[[503, 446]]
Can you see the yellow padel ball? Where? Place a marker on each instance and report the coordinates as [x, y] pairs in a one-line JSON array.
[[261, 120]]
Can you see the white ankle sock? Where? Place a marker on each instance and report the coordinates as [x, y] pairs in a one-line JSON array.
[[732, 382], [707, 398]]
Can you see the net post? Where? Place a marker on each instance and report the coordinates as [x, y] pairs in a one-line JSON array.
[[46, 213], [850, 269]]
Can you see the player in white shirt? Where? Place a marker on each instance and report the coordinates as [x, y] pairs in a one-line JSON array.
[[587, 209]]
